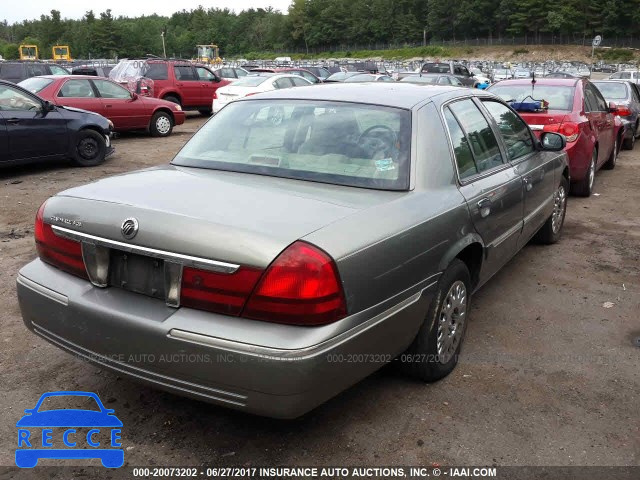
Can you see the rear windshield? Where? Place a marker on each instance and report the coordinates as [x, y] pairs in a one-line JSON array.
[[35, 84], [249, 81], [416, 79], [340, 143], [436, 68], [559, 97], [612, 91]]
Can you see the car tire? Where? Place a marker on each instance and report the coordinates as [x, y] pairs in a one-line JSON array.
[[435, 350], [551, 231], [629, 143], [172, 99], [205, 112], [613, 158], [89, 148], [585, 187], [161, 124]]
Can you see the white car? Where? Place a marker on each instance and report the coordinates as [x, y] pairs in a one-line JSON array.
[[502, 74], [252, 84]]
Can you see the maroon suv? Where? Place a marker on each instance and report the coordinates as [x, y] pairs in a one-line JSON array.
[[179, 81]]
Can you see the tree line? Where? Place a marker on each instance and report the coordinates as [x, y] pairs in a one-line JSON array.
[[312, 25]]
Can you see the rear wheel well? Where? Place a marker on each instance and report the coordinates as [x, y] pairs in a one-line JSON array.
[[472, 258], [174, 95]]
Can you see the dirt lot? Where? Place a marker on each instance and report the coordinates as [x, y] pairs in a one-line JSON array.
[[548, 376]]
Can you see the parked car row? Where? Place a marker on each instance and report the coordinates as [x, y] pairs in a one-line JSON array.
[[595, 127]]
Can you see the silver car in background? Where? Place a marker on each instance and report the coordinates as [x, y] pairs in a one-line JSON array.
[[282, 258], [626, 95]]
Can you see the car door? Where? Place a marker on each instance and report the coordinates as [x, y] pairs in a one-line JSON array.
[[209, 84], [491, 186], [31, 131], [120, 106], [189, 85], [601, 120], [535, 167], [4, 139], [79, 93]]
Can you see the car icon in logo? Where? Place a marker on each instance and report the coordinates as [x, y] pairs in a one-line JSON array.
[[36, 434]]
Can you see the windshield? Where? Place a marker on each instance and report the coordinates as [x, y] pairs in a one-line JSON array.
[[559, 97], [436, 68], [612, 91], [340, 143], [249, 81], [35, 84]]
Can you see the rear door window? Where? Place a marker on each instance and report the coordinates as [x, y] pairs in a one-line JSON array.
[[483, 142], [77, 89], [185, 73], [514, 132], [283, 83]]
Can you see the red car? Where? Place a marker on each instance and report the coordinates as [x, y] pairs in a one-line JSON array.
[[189, 85], [576, 109], [126, 110]]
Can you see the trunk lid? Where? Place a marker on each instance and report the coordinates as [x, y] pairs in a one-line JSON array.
[[225, 216], [538, 120]]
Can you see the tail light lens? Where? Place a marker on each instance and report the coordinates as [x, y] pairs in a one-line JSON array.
[[215, 94], [301, 287], [570, 130], [623, 111], [58, 251], [216, 292]]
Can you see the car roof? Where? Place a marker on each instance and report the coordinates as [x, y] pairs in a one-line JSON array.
[[60, 77], [399, 95]]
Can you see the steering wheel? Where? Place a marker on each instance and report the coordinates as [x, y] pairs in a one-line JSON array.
[[387, 141]]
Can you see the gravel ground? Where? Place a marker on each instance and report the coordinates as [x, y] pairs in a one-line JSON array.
[[548, 376]]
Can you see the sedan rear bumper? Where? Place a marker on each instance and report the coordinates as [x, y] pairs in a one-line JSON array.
[[200, 355]]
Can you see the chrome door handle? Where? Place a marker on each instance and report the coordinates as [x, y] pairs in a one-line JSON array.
[[484, 206], [528, 184]]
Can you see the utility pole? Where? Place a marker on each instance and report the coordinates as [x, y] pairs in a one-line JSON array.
[[424, 37], [164, 49]]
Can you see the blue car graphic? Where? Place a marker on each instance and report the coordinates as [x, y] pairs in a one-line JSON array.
[[70, 418]]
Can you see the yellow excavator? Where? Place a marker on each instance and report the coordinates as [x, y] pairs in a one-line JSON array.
[[28, 52], [208, 54], [61, 52]]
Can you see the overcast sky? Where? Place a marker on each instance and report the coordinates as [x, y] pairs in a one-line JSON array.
[[16, 11]]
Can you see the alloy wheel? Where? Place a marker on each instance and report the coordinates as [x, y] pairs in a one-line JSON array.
[[451, 321], [559, 209]]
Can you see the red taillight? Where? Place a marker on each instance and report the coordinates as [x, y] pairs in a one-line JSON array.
[[301, 287], [623, 111], [215, 94], [252, 93], [569, 129], [58, 251], [217, 292]]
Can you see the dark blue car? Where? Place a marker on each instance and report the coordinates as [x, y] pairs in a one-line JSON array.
[[60, 132], [32, 447]]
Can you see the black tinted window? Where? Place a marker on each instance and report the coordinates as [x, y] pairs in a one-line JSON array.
[[157, 71], [481, 138], [461, 149], [513, 130], [283, 83], [184, 73]]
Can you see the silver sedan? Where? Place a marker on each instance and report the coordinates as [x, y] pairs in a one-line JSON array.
[[302, 239]]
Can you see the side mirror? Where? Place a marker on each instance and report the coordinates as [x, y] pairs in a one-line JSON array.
[[471, 74], [553, 142], [134, 96], [48, 106], [613, 108]]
